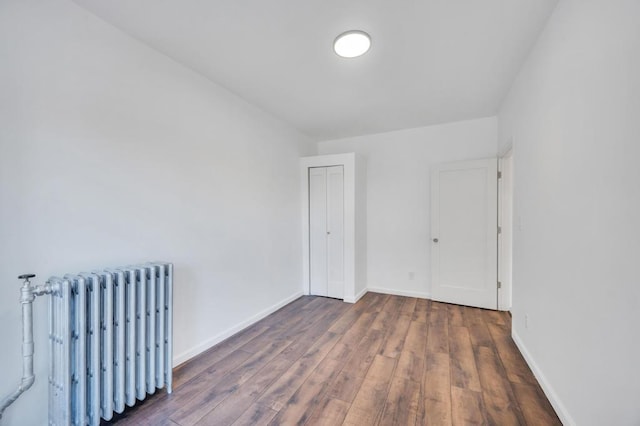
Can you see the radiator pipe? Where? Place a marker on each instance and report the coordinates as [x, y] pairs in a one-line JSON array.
[[27, 296]]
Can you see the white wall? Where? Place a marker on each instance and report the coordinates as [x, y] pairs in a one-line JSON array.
[[111, 154], [398, 207], [573, 114]]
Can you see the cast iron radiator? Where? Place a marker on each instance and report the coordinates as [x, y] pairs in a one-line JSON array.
[[110, 341]]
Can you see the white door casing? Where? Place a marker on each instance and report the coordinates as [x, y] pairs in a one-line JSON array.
[[505, 237], [464, 233]]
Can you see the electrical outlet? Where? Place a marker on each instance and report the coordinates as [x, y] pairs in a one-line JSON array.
[[412, 275]]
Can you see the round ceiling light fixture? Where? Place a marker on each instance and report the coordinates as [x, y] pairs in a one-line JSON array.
[[352, 44]]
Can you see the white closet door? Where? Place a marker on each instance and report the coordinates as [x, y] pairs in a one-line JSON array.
[[318, 280], [335, 231], [326, 231]]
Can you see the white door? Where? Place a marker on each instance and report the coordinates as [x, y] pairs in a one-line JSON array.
[[326, 231], [464, 233]]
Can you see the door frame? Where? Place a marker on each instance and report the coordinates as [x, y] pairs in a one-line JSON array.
[[348, 162], [505, 222]]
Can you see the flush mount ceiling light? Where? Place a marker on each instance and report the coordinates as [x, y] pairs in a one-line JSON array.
[[351, 44]]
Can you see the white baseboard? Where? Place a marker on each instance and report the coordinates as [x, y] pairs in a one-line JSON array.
[[358, 297], [561, 410], [418, 294], [190, 353]]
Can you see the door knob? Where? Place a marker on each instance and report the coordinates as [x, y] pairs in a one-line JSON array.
[[435, 240]]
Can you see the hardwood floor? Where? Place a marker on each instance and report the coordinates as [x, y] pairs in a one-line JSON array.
[[387, 360]]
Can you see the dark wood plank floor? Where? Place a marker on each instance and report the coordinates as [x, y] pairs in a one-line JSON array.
[[387, 360]]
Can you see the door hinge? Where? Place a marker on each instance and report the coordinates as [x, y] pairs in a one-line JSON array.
[[499, 175], [499, 284], [499, 229]]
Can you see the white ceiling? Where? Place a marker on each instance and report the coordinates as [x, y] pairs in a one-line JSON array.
[[431, 61]]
